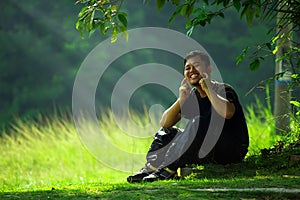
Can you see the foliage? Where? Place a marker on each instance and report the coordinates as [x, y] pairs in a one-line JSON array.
[[260, 121], [41, 52], [201, 13], [286, 11], [109, 17]]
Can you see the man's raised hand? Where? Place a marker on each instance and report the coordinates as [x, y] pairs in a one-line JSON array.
[[184, 91], [205, 82]]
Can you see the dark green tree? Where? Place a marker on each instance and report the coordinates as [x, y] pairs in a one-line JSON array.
[[108, 16], [39, 56]]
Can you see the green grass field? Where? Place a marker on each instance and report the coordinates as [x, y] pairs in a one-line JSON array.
[[44, 158]]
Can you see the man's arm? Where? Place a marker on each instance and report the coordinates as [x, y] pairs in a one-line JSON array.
[[172, 115], [223, 107]]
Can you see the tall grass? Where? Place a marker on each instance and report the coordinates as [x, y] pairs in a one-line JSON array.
[[47, 150], [261, 126]]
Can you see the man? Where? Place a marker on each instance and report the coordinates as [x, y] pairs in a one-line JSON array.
[[216, 131]]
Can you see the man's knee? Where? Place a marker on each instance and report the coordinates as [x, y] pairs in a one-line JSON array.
[[163, 137]]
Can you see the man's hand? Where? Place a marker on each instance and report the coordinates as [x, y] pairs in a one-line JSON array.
[[205, 83], [172, 115], [184, 91], [220, 104]]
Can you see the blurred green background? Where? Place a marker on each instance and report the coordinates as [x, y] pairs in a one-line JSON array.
[[41, 52]]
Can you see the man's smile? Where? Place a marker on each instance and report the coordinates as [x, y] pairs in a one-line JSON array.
[[195, 75]]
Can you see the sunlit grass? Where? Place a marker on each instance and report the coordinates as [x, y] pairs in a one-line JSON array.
[[261, 126], [47, 150]]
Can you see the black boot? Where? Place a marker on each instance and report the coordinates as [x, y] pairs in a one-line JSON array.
[[138, 177], [161, 174]]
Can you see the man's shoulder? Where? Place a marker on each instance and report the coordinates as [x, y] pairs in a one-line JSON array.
[[218, 86], [226, 90]]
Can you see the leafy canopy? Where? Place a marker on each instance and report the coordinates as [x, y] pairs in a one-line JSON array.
[[102, 14], [106, 15]]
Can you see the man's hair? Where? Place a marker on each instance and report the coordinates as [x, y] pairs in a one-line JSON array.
[[202, 55]]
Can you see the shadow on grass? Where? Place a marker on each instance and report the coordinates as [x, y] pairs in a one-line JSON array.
[[147, 191], [272, 162]]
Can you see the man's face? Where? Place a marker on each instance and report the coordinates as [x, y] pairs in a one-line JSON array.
[[193, 70]]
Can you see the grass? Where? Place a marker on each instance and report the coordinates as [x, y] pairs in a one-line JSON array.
[[161, 190], [44, 158]]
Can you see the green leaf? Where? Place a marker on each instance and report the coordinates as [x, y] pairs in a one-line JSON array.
[[209, 17], [249, 15], [83, 11], [295, 76], [225, 2], [160, 4], [114, 8], [88, 26], [102, 28], [175, 13], [279, 75], [114, 35], [84, 15], [241, 57], [92, 18], [190, 31], [221, 15], [79, 25], [184, 9], [268, 44], [237, 4], [295, 103], [202, 22], [249, 11], [188, 24], [176, 2], [196, 10], [203, 13], [124, 31], [275, 50], [254, 65], [122, 19], [274, 39], [189, 10], [257, 11], [92, 32]]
